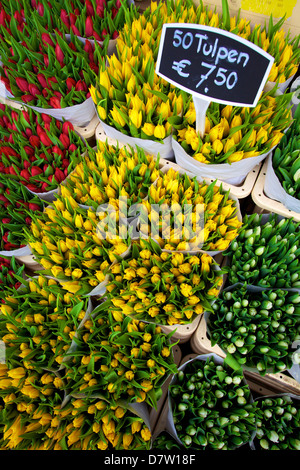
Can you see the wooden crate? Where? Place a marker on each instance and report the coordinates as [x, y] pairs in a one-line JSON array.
[[264, 203], [280, 382]]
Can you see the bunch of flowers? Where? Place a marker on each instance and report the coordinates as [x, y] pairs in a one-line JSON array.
[[38, 323], [110, 173], [83, 17], [117, 357], [93, 424], [71, 245], [184, 214], [30, 405], [266, 253], [54, 73], [259, 328], [8, 269], [17, 207], [286, 158], [132, 98], [273, 39], [233, 133], [211, 406], [166, 288], [278, 420], [37, 150]]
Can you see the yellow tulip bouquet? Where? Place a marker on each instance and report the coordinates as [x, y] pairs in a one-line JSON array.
[[119, 358], [164, 288], [233, 133], [210, 220], [109, 173], [93, 424], [69, 243], [29, 408], [38, 323]]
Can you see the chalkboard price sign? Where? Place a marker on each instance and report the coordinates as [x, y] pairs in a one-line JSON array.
[[213, 64]]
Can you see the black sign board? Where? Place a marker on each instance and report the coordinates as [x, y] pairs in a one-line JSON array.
[[213, 64]]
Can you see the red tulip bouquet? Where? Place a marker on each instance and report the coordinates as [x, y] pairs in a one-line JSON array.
[[85, 18], [36, 149]]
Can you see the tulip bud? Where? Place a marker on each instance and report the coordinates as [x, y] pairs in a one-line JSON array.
[[64, 140], [28, 132], [42, 80], [89, 8], [29, 150], [96, 36], [12, 171], [59, 175], [104, 33], [75, 30], [70, 82], [57, 150], [40, 9], [34, 207], [35, 170], [72, 148], [25, 174], [59, 54], [89, 27], [27, 98], [33, 89], [46, 118], [65, 18], [81, 86]]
